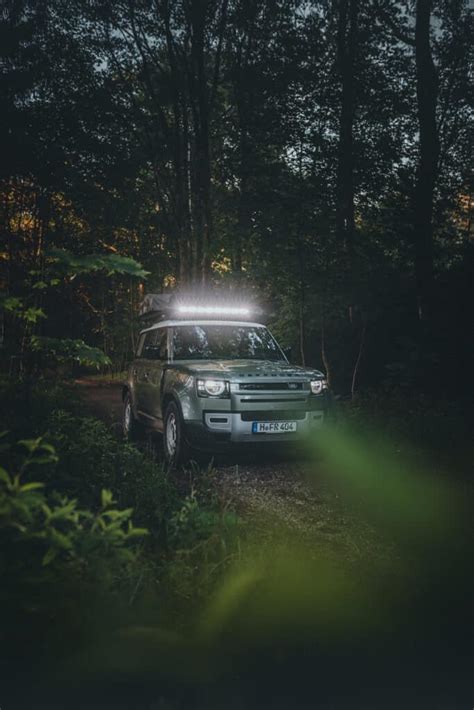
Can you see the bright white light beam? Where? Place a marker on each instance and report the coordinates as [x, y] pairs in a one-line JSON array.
[[214, 310]]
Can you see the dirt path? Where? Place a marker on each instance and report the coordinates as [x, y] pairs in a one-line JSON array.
[[274, 492], [102, 399]]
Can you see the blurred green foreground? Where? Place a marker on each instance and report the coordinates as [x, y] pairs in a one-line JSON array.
[[124, 587]]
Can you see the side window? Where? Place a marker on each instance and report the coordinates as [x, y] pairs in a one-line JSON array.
[[163, 343], [155, 344]]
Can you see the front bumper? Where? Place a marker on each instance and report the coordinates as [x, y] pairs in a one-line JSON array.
[[218, 428], [214, 422]]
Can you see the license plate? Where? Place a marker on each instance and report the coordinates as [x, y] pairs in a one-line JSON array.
[[273, 427]]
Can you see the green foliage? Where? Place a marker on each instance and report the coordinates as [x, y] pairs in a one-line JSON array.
[[84, 445], [63, 350], [71, 264], [98, 192], [84, 581], [30, 403], [15, 306], [91, 459], [62, 529], [56, 556], [94, 535]]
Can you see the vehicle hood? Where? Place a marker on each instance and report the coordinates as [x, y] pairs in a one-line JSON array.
[[236, 369]]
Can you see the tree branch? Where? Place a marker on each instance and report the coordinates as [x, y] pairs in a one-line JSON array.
[[397, 31]]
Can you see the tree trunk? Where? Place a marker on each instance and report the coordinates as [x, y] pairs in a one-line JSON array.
[[347, 37], [301, 329], [346, 52], [324, 353], [360, 354], [202, 165], [427, 94], [245, 102]]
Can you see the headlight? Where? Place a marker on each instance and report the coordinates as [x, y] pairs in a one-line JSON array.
[[318, 386], [212, 388]]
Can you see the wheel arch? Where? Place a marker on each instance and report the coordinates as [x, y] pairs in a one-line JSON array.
[[171, 397]]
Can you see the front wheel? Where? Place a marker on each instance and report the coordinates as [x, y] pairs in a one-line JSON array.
[[176, 448]]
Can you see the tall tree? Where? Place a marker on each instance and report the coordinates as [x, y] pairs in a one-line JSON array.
[[167, 58], [346, 60], [427, 169]]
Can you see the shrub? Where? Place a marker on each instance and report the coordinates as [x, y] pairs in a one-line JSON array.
[[28, 404], [74, 502], [91, 459], [57, 559]]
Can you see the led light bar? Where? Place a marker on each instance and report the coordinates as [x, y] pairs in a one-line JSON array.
[[214, 310]]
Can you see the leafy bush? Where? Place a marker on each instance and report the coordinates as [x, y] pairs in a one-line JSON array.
[[75, 562], [65, 350], [64, 530], [91, 459], [28, 404], [57, 560]]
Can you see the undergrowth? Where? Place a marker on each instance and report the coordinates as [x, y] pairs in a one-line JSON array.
[[124, 586], [94, 534]]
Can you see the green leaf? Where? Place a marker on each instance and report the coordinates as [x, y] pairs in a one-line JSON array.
[[49, 556], [39, 451], [29, 444], [137, 532], [31, 487], [4, 476], [60, 539], [11, 304], [32, 315], [106, 498]]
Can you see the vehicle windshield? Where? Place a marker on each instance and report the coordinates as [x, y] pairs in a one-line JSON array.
[[224, 342]]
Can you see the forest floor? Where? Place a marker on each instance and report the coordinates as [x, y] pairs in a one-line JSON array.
[[278, 494]]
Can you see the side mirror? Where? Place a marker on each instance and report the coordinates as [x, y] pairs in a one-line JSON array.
[[288, 353]]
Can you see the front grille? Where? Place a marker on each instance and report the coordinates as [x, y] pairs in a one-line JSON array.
[[270, 386], [249, 400], [282, 415]]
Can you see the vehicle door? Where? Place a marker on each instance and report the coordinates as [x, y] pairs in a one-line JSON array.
[[155, 357], [140, 370]]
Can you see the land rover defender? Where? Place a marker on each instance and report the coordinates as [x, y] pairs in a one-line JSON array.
[[210, 376]]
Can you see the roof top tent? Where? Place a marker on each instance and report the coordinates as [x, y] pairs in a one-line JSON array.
[[155, 307], [160, 306]]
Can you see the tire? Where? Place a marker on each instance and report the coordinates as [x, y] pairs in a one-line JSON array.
[[176, 448], [132, 429]]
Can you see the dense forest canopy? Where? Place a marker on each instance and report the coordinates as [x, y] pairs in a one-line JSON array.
[[313, 156]]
